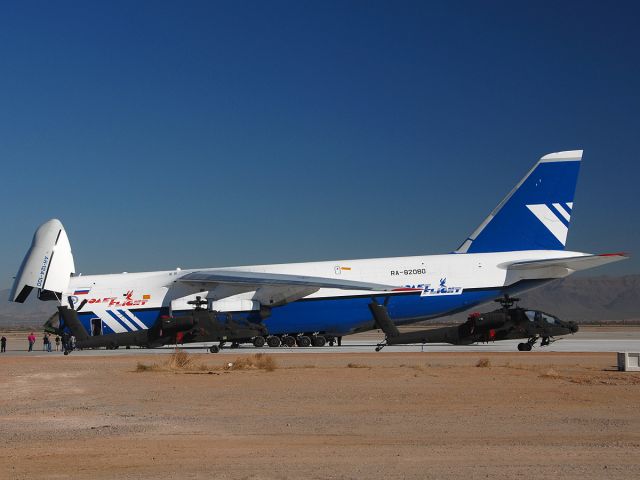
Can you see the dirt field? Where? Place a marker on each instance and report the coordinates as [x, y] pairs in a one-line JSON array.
[[405, 415]]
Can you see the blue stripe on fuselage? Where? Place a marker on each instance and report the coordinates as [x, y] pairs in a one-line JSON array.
[[344, 315], [118, 321]]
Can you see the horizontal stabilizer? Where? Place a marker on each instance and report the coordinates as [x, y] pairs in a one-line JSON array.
[[582, 262]]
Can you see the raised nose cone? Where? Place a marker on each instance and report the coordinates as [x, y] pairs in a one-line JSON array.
[[42, 270]]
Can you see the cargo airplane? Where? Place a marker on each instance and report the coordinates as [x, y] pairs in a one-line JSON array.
[[519, 246]]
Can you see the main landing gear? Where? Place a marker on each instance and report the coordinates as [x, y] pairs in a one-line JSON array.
[[292, 340], [527, 346]]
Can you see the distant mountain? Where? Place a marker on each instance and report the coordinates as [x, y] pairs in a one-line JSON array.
[[583, 299], [32, 313]]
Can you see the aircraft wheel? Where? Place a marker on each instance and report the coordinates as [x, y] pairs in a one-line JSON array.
[[258, 342], [289, 341], [303, 341], [66, 352], [273, 341], [521, 347], [318, 341], [527, 347], [214, 349]]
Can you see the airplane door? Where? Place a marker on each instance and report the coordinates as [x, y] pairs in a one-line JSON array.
[[96, 327]]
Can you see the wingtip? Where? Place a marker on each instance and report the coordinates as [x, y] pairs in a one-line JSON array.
[[617, 254]]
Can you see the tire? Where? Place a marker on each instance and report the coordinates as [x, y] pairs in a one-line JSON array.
[[289, 341], [318, 341], [273, 341], [214, 349], [303, 341], [258, 342], [521, 347]]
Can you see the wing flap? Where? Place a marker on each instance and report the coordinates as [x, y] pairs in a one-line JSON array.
[[259, 279]]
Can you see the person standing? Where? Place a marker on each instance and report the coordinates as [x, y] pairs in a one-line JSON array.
[[32, 339], [45, 342], [3, 344], [49, 343], [65, 342], [57, 342]]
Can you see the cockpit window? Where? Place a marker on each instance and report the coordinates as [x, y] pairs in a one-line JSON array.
[[534, 315]]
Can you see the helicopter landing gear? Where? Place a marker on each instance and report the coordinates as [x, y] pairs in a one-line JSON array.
[[380, 346], [526, 347]]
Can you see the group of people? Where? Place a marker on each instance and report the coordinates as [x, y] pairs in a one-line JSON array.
[[46, 342], [65, 344]]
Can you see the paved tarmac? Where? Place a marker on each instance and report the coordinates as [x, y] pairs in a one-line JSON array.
[[616, 339]]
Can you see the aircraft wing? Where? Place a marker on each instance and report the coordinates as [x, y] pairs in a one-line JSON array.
[[574, 263], [247, 281]]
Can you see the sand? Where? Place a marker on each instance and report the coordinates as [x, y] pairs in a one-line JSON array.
[[389, 415]]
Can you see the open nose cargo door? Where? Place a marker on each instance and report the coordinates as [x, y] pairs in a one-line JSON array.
[[47, 266]]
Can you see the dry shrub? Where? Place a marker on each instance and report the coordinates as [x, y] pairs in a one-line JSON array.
[[582, 380], [357, 365], [550, 373], [178, 361], [483, 363], [258, 361], [142, 367]]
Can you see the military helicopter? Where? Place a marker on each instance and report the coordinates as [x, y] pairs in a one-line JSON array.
[[506, 323], [201, 325]]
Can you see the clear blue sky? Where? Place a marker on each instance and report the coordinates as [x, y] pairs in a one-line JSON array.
[[197, 134]]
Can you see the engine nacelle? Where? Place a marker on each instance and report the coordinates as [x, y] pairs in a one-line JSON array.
[[488, 321], [177, 324]]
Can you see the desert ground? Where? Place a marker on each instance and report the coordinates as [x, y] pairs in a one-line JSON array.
[[330, 415]]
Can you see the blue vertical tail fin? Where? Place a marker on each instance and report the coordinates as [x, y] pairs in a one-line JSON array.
[[536, 214]]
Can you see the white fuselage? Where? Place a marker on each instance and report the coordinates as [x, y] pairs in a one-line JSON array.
[[439, 284]]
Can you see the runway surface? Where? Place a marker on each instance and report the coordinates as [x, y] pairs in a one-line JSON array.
[[589, 339]]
